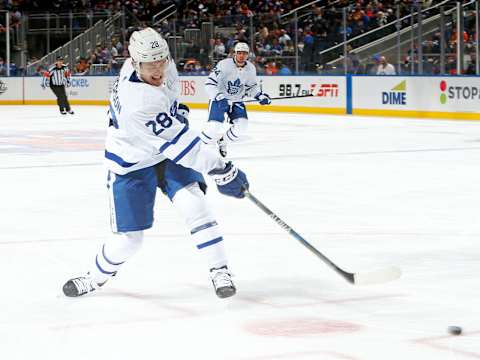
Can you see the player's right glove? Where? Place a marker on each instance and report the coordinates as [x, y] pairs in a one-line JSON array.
[[230, 181], [263, 98], [223, 104]]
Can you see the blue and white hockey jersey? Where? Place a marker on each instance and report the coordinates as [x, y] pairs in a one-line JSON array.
[[144, 131], [232, 81]]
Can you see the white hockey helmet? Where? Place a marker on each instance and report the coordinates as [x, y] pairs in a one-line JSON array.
[[147, 45], [241, 46]]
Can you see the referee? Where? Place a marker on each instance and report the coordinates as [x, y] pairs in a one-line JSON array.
[[59, 77]]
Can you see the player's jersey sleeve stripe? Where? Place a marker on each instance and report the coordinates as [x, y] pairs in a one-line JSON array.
[[112, 113], [215, 81], [174, 140], [118, 159], [186, 150], [209, 243]]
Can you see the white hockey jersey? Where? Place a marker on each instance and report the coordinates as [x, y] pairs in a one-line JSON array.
[[232, 81], [144, 131]]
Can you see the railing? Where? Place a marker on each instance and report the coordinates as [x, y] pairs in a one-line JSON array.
[[197, 48], [334, 52], [296, 10], [64, 22], [82, 45], [410, 40], [115, 22], [164, 14]]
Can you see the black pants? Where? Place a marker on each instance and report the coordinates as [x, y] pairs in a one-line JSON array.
[[62, 101]]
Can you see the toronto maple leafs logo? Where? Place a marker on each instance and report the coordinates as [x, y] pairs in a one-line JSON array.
[[233, 88]]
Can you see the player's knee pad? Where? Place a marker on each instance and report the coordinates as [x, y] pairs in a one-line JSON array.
[[191, 203], [212, 131], [238, 129]]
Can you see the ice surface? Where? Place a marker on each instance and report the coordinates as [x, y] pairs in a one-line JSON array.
[[367, 192]]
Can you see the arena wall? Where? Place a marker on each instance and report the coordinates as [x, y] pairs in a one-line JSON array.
[[11, 90], [417, 96], [410, 96]]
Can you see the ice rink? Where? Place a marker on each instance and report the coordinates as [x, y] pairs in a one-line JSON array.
[[368, 192]]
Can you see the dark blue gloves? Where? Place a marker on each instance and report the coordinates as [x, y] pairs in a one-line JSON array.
[[263, 99], [230, 181]]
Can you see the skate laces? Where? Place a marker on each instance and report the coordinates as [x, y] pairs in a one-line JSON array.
[[85, 284], [221, 277]]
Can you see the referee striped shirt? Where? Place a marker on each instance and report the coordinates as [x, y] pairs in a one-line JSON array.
[[59, 76]]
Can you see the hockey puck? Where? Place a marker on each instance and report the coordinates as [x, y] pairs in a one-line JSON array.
[[454, 330]]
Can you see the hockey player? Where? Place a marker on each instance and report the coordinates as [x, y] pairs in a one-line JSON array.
[[150, 145], [229, 82]]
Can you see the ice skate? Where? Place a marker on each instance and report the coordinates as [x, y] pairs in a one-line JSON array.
[[222, 282], [80, 286]]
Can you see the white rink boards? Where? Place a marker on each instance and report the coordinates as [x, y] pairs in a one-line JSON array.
[[434, 97]]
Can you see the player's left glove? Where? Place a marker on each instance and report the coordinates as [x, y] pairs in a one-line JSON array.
[[263, 98], [223, 103], [230, 181], [182, 113]]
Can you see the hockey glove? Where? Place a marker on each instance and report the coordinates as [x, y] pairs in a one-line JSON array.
[[182, 113], [263, 98], [230, 181], [222, 102]]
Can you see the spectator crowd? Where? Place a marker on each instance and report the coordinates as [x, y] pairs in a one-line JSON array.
[[276, 36]]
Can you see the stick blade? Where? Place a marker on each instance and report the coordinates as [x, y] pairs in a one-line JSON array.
[[377, 276]]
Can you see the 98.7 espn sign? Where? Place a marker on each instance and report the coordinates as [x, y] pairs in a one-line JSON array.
[[316, 89], [328, 91]]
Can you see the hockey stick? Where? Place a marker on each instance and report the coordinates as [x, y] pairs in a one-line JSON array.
[[281, 98], [363, 278]]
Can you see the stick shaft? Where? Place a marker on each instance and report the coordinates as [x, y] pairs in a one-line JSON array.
[[281, 98], [346, 275]]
